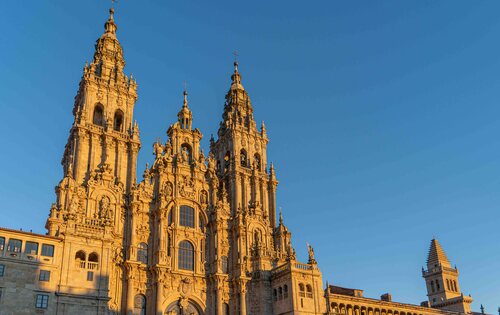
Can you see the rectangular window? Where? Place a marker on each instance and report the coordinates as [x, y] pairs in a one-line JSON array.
[[14, 245], [48, 250], [2, 270], [90, 276], [2, 243], [31, 248], [42, 301], [44, 275]]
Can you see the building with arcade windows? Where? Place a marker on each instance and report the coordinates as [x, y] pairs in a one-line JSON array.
[[196, 234]]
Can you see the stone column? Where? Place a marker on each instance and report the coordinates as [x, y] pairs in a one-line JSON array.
[[243, 302], [159, 291], [130, 290]]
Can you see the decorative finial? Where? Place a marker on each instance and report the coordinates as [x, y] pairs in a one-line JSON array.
[[482, 309], [281, 217], [185, 105], [110, 25]]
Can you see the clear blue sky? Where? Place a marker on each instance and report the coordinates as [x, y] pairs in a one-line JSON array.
[[384, 118]]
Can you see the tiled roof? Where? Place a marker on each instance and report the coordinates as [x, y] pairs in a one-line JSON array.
[[437, 255]]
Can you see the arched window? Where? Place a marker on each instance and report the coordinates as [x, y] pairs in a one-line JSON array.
[[186, 256], [118, 121], [140, 305], [186, 216], [142, 253], [80, 259], [93, 261], [258, 163], [448, 284], [93, 257], [285, 291], [280, 293], [275, 295], [225, 309], [432, 286], [302, 290], [438, 287], [80, 255], [243, 158], [309, 291], [98, 118], [224, 264], [454, 286]]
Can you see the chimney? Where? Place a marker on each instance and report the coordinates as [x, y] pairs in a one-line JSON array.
[[386, 297]]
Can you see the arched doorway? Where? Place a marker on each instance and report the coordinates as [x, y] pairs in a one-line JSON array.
[[183, 308]]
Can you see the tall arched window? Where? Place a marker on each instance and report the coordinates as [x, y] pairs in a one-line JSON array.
[[225, 309], [98, 118], [186, 216], [280, 293], [243, 158], [186, 256], [258, 163], [285, 291], [432, 286], [140, 305], [118, 121], [142, 253]]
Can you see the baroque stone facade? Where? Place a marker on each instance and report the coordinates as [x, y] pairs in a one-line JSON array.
[[198, 234]]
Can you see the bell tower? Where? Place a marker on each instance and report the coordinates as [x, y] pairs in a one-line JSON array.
[[441, 279], [103, 132], [240, 152], [99, 168]]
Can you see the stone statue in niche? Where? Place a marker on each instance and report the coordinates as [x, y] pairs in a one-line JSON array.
[[168, 189], [105, 211], [185, 155], [203, 197]]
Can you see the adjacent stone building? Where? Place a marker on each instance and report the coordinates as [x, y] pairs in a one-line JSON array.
[[198, 234]]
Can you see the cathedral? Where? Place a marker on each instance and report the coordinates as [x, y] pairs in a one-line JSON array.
[[198, 233]]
